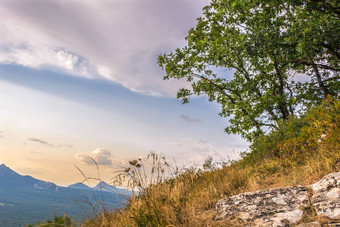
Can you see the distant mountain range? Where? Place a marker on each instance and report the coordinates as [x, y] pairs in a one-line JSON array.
[[101, 186], [25, 200]]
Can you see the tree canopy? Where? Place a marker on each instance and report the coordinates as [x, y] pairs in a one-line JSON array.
[[284, 56]]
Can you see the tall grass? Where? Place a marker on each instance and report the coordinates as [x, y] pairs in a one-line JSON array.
[[300, 152]]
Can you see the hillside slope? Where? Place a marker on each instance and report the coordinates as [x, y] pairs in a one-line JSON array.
[[300, 152]]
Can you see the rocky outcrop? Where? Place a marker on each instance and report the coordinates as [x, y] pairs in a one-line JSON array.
[[285, 206], [268, 207], [326, 196]]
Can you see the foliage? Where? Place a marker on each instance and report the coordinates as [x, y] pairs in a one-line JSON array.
[[58, 221], [264, 43], [300, 136]]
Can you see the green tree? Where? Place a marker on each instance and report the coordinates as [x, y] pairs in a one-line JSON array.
[[264, 43]]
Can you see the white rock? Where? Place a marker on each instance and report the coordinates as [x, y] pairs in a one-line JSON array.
[[326, 196], [273, 207], [282, 206]]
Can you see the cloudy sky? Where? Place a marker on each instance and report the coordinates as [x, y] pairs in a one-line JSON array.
[[80, 79]]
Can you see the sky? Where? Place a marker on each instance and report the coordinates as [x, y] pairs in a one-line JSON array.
[[80, 79]]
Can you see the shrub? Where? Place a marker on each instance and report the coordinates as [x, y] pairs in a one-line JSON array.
[[301, 135], [57, 221]]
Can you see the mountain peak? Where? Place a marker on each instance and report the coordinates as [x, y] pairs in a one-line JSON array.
[[16, 180], [102, 184], [79, 186], [6, 171]]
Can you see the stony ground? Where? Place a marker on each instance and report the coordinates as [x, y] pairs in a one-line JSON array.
[[287, 206]]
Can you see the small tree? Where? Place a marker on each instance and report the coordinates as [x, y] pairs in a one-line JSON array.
[[264, 43]]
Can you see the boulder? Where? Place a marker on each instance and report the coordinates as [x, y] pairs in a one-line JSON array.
[[326, 196], [273, 207], [284, 206]]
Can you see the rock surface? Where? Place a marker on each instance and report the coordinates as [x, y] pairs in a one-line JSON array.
[[284, 206], [326, 196]]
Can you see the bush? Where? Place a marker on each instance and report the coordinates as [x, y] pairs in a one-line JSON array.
[[301, 135], [58, 221]]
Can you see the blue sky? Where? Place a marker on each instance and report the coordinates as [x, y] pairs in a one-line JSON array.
[[80, 78]]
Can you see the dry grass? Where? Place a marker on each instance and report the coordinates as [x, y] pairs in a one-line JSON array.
[[190, 199]]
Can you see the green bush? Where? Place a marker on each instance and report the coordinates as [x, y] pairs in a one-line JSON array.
[[301, 135], [58, 221]]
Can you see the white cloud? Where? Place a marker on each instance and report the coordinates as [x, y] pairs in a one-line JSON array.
[[116, 40], [100, 155], [20, 46], [105, 72]]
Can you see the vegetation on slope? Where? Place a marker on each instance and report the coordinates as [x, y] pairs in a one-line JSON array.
[[299, 152], [57, 221]]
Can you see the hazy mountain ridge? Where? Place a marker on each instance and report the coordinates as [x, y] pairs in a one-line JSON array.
[[25, 200], [79, 185], [13, 180]]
